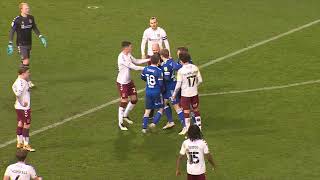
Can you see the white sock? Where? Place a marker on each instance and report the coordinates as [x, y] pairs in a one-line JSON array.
[[26, 140], [198, 121], [20, 139], [187, 121], [120, 115], [129, 108]]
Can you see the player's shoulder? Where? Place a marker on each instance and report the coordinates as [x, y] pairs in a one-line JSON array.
[[147, 30], [16, 18], [161, 29]]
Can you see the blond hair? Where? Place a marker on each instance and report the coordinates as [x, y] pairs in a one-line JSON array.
[[22, 4]]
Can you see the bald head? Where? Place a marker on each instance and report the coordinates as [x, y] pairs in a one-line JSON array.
[[155, 48]]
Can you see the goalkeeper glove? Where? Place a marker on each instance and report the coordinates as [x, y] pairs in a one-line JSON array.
[[10, 49], [43, 41]]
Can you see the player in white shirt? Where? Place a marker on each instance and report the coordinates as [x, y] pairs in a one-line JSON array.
[[21, 89], [125, 85], [153, 35], [196, 149], [20, 170], [188, 80]]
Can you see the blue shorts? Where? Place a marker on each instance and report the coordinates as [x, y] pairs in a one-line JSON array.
[[153, 101], [168, 93]]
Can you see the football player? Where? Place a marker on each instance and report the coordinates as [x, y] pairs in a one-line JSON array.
[[23, 26], [126, 87], [196, 149]]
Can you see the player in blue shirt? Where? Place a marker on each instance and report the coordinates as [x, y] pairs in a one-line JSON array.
[[169, 66], [153, 76]]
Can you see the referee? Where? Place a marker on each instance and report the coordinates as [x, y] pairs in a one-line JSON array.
[[23, 25]]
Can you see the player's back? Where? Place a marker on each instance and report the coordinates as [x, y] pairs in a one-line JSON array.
[[168, 69], [20, 171], [21, 86], [154, 78], [196, 151], [190, 77]]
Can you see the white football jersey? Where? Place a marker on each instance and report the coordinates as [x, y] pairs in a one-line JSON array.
[[154, 36], [22, 91], [190, 77], [20, 171], [125, 63], [195, 151]]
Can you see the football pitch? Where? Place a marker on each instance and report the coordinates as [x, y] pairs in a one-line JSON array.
[[260, 63]]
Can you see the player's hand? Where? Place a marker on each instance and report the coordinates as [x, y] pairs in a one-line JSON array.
[[25, 104], [10, 49], [43, 41], [178, 173]]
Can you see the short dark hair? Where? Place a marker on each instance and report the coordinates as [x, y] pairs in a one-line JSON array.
[[125, 44], [165, 53], [21, 154], [183, 49], [155, 59], [23, 69], [194, 133], [184, 57]]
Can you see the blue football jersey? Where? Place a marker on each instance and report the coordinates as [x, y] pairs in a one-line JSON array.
[[169, 67], [154, 79]]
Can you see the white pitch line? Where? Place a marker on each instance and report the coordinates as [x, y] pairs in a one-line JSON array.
[[201, 66], [263, 88]]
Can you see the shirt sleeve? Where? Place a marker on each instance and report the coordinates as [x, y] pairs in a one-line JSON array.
[[205, 148], [143, 76], [35, 28], [132, 66], [183, 149], [179, 76], [143, 42], [139, 61], [13, 29], [32, 172], [7, 172], [199, 77], [18, 88]]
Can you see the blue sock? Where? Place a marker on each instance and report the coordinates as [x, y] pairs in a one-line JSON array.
[[168, 112], [181, 118], [145, 122], [157, 117]]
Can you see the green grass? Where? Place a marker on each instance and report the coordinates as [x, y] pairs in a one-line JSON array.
[[269, 135]]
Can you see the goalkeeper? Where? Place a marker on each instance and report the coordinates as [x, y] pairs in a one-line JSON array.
[[23, 25]]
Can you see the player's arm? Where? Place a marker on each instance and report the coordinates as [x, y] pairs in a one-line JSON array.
[[160, 80], [139, 61], [37, 32], [133, 66], [6, 177], [143, 45], [11, 35], [143, 76], [178, 85], [210, 160], [18, 89], [34, 175], [6, 174], [176, 66], [182, 154], [165, 40], [199, 77]]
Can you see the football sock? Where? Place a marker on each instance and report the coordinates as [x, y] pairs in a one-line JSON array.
[[157, 117], [129, 108], [168, 112], [145, 122], [120, 115], [181, 117], [19, 135], [25, 134]]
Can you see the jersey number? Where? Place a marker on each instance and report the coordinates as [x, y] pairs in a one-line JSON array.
[[193, 157], [191, 80], [151, 80]]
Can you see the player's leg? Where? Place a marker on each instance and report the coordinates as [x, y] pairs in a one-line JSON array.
[[195, 106], [158, 104], [168, 112], [132, 92], [145, 120], [122, 105], [185, 104], [19, 129], [25, 131], [24, 52]]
